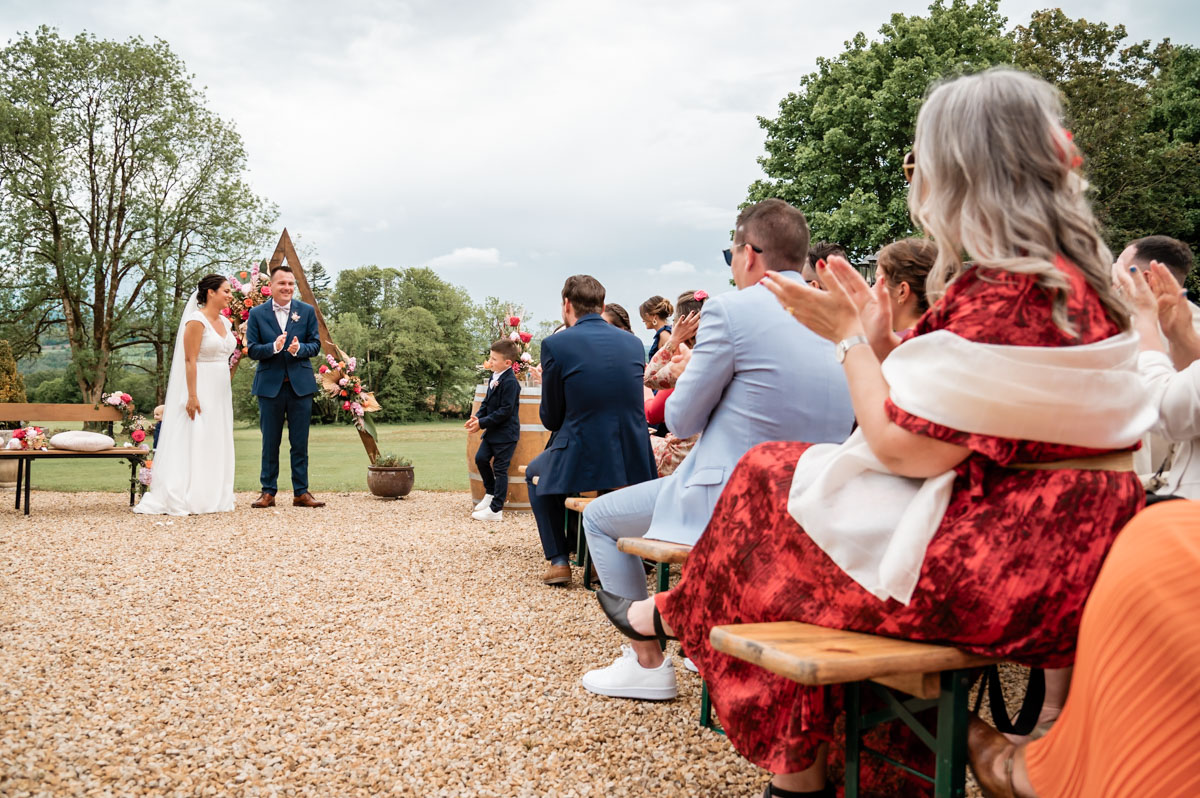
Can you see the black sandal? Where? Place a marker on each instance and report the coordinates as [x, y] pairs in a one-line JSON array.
[[617, 610]]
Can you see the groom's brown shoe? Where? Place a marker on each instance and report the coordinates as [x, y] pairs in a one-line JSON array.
[[265, 500], [306, 500]]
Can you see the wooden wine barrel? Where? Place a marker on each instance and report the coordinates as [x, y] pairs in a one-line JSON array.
[[533, 440]]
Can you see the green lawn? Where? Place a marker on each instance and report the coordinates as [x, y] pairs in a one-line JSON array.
[[336, 460]]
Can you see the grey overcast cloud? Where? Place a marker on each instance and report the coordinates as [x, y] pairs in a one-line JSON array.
[[509, 144]]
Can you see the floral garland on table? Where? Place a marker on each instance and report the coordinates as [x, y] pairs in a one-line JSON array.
[[27, 439], [254, 291], [341, 385], [511, 329]]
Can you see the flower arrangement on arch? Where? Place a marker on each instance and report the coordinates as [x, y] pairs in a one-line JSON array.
[[28, 439], [510, 328], [346, 390], [251, 288], [132, 424]]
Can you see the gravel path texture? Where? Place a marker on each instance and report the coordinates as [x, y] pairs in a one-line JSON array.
[[367, 648]]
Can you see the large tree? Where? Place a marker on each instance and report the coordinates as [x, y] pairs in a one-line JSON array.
[[837, 146], [117, 188]]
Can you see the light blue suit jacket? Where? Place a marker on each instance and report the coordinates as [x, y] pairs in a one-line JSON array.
[[756, 375]]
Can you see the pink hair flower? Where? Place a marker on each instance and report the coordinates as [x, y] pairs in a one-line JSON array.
[[700, 295]]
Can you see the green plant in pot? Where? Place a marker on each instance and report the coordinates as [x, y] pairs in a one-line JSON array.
[[390, 476]]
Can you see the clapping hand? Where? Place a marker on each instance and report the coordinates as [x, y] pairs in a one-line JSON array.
[[280, 341], [833, 313], [680, 361], [294, 347]]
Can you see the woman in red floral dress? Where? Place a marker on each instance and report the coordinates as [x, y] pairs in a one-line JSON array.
[[1016, 552]]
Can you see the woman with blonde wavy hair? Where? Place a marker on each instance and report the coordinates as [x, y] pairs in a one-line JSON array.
[[991, 469]]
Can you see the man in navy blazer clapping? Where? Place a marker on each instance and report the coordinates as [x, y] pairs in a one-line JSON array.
[[592, 400]]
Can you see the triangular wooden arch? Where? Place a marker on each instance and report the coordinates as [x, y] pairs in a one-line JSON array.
[[284, 251]]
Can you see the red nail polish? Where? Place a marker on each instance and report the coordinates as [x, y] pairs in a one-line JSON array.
[[821, 263]]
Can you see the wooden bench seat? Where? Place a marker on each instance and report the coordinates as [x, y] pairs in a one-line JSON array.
[[659, 551], [24, 413], [936, 676]]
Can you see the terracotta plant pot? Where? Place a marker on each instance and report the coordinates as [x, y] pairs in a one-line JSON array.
[[390, 482], [8, 466]]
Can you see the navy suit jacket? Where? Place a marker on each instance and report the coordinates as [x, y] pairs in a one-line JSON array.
[[498, 412], [261, 331], [592, 401]]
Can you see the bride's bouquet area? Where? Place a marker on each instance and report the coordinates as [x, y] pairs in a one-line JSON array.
[[346, 390]]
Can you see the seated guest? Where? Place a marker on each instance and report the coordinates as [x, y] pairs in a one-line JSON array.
[[661, 374], [617, 316], [754, 375], [900, 274], [976, 501], [819, 253], [1161, 309], [592, 404], [1131, 726], [655, 311]]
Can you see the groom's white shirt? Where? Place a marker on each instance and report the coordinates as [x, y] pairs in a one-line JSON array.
[[281, 316]]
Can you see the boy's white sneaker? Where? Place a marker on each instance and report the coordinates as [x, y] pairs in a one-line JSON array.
[[486, 514], [487, 501]]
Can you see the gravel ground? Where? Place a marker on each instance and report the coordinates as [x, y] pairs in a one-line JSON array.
[[370, 647]]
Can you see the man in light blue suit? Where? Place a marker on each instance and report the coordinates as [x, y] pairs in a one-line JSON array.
[[755, 375]]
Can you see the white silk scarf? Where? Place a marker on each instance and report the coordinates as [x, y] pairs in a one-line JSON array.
[[876, 525]]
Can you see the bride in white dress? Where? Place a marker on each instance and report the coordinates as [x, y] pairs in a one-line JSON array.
[[193, 462]]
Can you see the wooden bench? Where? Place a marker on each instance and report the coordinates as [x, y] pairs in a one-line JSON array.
[[27, 412], [933, 676]]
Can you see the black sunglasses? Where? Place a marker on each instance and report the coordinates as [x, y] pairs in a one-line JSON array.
[[729, 252]]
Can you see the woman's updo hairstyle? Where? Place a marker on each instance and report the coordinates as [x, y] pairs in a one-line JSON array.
[[689, 302], [909, 260], [656, 306], [210, 282]]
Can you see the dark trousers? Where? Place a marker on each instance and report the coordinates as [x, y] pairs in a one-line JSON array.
[[492, 462], [549, 510], [272, 413]]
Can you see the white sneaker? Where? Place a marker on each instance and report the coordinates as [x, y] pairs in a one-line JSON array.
[[625, 678], [487, 502], [486, 514], [691, 666]]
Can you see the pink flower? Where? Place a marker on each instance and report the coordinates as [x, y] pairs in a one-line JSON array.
[[514, 321], [265, 290], [227, 313], [138, 436], [526, 337], [352, 364], [358, 389], [19, 434], [234, 284], [126, 397], [342, 382], [245, 314], [516, 365], [113, 399], [346, 405], [323, 369], [513, 336], [700, 296], [245, 289], [526, 357]]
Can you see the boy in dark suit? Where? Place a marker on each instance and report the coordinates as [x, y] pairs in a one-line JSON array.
[[501, 428]]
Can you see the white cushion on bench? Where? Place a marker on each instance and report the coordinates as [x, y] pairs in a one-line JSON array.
[[81, 441]]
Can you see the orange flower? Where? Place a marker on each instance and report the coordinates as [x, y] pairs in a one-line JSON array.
[[344, 393]]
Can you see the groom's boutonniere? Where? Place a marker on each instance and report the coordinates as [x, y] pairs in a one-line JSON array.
[[295, 317]]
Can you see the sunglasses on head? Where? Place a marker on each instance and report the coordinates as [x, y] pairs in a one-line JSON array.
[[910, 166], [729, 252]]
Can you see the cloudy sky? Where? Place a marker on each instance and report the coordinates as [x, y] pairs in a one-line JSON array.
[[508, 144]]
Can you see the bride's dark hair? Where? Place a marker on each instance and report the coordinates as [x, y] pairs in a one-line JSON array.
[[211, 282]]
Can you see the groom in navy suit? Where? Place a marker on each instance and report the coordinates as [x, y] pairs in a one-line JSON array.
[[282, 336]]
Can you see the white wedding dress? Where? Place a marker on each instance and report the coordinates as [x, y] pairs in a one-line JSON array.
[[193, 462]]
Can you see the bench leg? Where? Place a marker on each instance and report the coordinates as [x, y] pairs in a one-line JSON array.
[[20, 482], [853, 697], [664, 576], [132, 479], [28, 479], [950, 777]]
